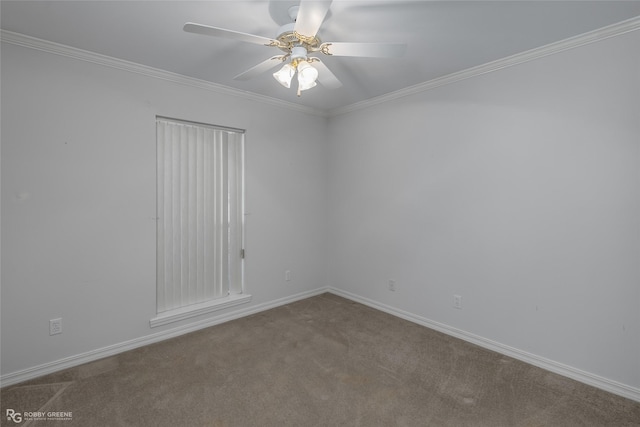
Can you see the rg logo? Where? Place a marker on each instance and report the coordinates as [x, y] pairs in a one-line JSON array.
[[14, 416]]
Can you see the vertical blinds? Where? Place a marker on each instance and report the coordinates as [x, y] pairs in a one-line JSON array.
[[199, 210]]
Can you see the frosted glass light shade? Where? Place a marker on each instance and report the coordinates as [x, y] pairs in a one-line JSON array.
[[285, 75], [307, 76]]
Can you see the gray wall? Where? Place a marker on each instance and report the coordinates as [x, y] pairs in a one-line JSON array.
[[78, 201], [518, 190]]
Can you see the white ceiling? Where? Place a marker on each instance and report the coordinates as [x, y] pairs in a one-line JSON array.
[[442, 36]]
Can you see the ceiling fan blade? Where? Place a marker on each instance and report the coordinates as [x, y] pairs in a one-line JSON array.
[[370, 50], [310, 16], [260, 68], [325, 76], [191, 27]]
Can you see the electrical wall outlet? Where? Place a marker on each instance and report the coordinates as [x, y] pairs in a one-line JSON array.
[[392, 285], [457, 302], [55, 326], [287, 275]]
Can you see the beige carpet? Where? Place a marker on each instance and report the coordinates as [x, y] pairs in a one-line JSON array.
[[323, 361]]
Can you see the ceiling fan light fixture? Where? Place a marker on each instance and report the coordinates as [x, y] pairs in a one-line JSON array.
[[284, 75], [298, 40]]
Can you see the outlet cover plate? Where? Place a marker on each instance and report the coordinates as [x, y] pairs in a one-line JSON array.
[[457, 302], [55, 326]]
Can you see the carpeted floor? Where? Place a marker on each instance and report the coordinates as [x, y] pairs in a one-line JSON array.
[[323, 361]]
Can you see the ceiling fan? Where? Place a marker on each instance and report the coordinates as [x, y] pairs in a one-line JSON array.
[[298, 41]]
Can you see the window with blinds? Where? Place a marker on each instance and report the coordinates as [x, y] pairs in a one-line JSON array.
[[200, 218]]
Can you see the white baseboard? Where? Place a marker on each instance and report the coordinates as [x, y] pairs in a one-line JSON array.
[[614, 387], [90, 356]]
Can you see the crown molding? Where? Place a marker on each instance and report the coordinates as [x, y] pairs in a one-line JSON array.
[[132, 67], [603, 33], [614, 30]]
